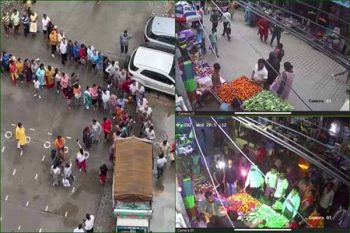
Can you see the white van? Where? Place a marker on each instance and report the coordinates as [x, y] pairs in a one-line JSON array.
[[161, 30]]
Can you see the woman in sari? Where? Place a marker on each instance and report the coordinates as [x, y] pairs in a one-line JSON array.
[[49, 77], [87, 98]]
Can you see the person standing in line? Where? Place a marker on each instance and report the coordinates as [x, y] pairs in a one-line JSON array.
[[56, 172], [63, 51], [6, 23], [77, 93], [21, 136], [213, 41], [36, 88], [226, 22], [79, 229], [263, 25], [67, 172], [58, 77], [53, 42], [40, 74], [64, 82], [20, 69], [68, 93], [107, 127], [49, 77], [283, 84], [89, 223], [103, 174], [96, 130], [87, 98], [272, 66], [25, 23], [94, 95], [161, 161], [28, 70], [33, 23], [276, 32], [16, 21], [105, 98], [13, 72], [81, 160], [124, 42], [214, 19], [45, 22]]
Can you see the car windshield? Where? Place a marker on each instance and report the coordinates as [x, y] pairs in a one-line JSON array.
[[149, 27]]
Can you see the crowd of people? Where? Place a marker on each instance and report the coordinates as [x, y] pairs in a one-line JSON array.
[[302, 195]]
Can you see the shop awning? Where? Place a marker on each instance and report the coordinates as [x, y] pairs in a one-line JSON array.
[[133, 170]]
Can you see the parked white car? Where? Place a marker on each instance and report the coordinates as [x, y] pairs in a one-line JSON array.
[[153, 66], [161, 30]]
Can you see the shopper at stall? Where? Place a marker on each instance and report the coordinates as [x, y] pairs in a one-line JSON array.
[[209, 207], [291, 204], [259, 74], [326, 200], [281, 187], [215, 76], [230, 177], [273, 69], [283, 84], [254, 182], [271, 183]]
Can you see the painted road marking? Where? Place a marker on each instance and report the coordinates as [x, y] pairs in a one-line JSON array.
[[47, 145], [21, 152], [13, 124], [73, 189], [7, 197], [49, 134], [40, 230], [31, 129], [66, 149], [19, 227], [8, 134], [3, 149], [27, 203], [28, 139], [14, 172], [66, 214], [69, 137], [43, 158], [36, 176], [47, 207]]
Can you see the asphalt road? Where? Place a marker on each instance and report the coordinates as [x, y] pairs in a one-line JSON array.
[[29, 202], [313, 70]]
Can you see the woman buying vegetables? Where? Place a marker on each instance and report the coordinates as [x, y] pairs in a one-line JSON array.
[[282, 85]]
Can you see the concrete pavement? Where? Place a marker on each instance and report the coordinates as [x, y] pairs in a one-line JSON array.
[[29, 201], [313, 81]]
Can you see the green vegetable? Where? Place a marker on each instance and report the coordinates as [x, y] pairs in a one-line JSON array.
[[272, 218], [266, 101]]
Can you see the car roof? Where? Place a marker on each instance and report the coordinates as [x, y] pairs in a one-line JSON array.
[[163, 26], [154, 59]]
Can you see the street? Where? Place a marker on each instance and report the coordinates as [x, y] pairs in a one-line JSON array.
[[29, 201], [313, 70]]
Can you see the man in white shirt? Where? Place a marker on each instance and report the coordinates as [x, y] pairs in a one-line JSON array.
[[254, 181], [326, 199], [79, 228], [134, 88], [150, 134], [259, 74], [271, 182], [226, 21], [291, 204], [161, 161], [45, 22], [148, 111], [281, 187], [89, 223]]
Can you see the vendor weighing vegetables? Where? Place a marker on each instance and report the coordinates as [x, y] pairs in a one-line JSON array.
[[259, 74]]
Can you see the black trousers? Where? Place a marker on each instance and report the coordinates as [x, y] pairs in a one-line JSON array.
[[124, 48], [225, 28], [63, 58], [159, 171], [214, 26], [92, 230], [274, 35], [26, 29], [53, 49]]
